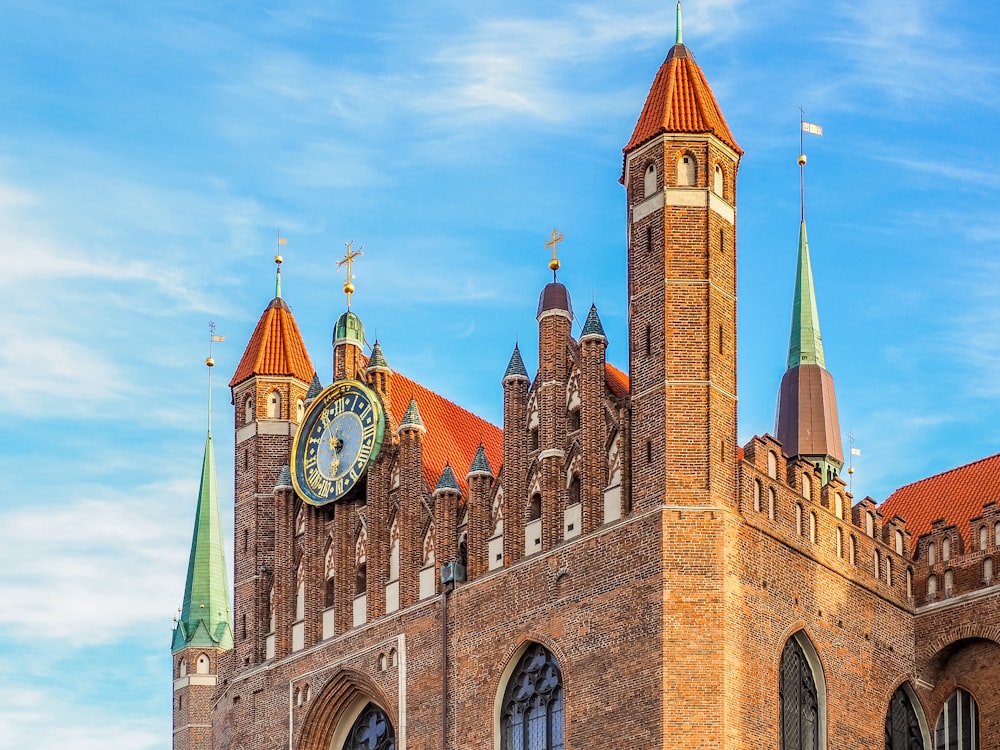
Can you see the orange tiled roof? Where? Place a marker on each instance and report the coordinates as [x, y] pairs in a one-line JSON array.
[[681, 101], [453, 434], [616, 379], [956, 495], [275, 347]]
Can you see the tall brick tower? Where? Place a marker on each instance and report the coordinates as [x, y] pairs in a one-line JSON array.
[[204, 629], [269, 389], [680, 169], [680, 179]]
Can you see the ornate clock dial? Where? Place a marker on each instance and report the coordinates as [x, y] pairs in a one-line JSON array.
[[338, 440]]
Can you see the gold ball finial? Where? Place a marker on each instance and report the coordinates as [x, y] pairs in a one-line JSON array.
[[349, 288], [850, 470], [802, 160], [278, 259], [210, 361], [554, 264]]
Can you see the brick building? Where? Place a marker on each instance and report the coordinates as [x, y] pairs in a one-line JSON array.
[[610, 567]]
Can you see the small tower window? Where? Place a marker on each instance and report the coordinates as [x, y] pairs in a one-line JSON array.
[[756, 495], [770, 503], [361, 579], [931, 554], [204, 665], [983, 537], [182, 668], [949, 582], [772, 465], [946, 550], [535, 507], [838, 505], [899, 542], [870, 524], [649, 181], [877, 564], [300, 409], [909, 583], [248, 414], [798, 519], [888, 570], [533, 446], [852, 551], [717, 180], [274, 405], [574, 490], [988, 569], [931, 586], [812, 527], [574, 420], [840, 542], [806, 486], [687, 170]]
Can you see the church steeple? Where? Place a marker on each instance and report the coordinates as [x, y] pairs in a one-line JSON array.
[[805, 345], [205, 619], [807, 423]]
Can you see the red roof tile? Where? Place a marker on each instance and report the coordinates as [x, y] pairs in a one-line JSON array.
[[681, 101], [453, 434], [616, 379], [957, 496], [275, 347]]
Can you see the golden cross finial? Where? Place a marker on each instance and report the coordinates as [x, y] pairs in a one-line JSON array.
[[554, 244], [348, 260]]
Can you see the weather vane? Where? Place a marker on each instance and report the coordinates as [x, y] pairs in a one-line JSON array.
[[553, 244], [348, 260]]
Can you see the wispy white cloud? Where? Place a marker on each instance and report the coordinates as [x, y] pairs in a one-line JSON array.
[[115, 560]]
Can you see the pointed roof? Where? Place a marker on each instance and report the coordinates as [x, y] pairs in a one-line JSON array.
[[275, 348], [447, 480], [516, 368], [205, 615], [956, 495], [480, 464], [315, 388], [377, 360], [284, 478], [681, 101], [592, 325], [805, 344], [411, 418]]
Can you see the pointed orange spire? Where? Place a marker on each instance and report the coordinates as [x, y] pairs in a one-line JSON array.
[[681, 101]]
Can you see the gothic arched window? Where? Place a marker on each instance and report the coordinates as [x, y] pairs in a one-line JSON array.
[[799, 700], [902, 730], [372, 730], [531, 716], [958, 723]]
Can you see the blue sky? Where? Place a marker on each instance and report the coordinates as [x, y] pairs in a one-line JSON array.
[[149, 152]]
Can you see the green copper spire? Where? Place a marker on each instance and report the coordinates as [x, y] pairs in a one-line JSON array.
[[680, 27], [805, 346], [205, 616]]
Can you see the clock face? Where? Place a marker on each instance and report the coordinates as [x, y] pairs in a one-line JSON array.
[[338, 440]]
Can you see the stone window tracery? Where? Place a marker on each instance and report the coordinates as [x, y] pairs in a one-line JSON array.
[[372, 730], [531, 715], [799, 700], [902, 729], [958, 723]]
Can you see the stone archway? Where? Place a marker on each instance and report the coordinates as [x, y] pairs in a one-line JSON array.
[[345, 693]]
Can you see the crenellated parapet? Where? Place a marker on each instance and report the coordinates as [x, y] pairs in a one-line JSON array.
[[785, 497]]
